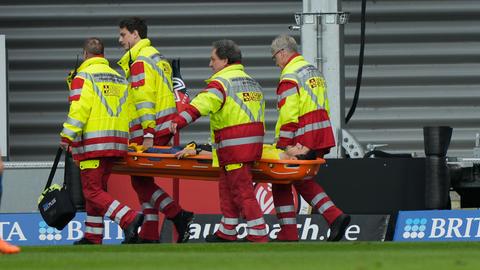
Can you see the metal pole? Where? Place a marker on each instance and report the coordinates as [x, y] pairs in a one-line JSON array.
[[3, 99], [322, 45]]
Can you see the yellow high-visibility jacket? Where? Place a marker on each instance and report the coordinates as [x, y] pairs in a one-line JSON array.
[[150, 78], [236, 107], [303, 109], [98, 118]]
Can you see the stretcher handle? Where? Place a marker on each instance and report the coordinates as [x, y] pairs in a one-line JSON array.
[[54, 167]]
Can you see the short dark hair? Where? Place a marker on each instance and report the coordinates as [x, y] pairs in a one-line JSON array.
[[135, 23], [93, 46], [228, 49], [310, 155]]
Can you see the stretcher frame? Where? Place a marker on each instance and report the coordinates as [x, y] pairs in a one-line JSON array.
[[199, 167]]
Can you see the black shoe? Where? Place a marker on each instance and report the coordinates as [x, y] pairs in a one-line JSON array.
[[182, 223], [131, 232], [83, 241], [213, 238], [338, 227], [147, 241]]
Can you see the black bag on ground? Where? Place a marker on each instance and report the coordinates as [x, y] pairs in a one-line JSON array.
[[55, 204]]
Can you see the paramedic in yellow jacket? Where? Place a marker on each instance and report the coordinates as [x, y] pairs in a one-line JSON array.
[[235, 104], [150, 77], [303, 119], [96, 131]]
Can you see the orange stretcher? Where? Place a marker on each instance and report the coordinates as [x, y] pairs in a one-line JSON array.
[[200, 167]]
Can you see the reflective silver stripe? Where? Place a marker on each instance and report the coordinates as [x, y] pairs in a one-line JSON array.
[[112, 208], [164, 203], [100, 95], [318, 198], [285, 209], [145, 105], [166, 112], [312, 95], [77, 150], [150, 217], [289, 76], [226, 231], [325, 206], [122, 101], [103, 99], [69, 132], [147, 205], [93, 230], [261, 110], [240, 141], [225, 82], [155, 196], [287, 221], [244, 84], [94, 219], [121, 213], [109, 77], [240, 85], [148, 117], [312, 127], [257, 232], [83, 74], [136, 133], [105, 133], [244, 108], [152, 61], [137, 78], [287, 134], [229, 221], [135, 121], [186, 116], [290, 92], [217, 93], [305, 73], [255, 222], [105, 146], [75, 122], [75, 92], [164, 125], [157, 57]]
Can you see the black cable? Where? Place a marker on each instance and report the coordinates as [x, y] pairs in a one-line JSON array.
[[360, 62]]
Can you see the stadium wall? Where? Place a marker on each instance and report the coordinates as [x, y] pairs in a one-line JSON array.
[[420, 68]]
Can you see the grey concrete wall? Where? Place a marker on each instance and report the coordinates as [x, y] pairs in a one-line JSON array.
[[23, 185]]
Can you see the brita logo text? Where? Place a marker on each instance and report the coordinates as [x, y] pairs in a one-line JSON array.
[[455, 228], [49, 204], [446, 225]]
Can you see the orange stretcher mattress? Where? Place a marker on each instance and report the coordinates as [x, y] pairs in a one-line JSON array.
[[199, 167]]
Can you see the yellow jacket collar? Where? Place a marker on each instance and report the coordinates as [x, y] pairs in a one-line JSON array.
[[133, 53], [293, 61], [232, 67], [92, 61]]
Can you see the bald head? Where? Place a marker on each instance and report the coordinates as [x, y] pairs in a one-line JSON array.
[[93, 47]]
